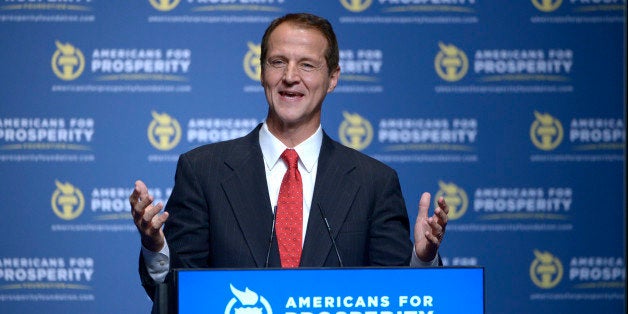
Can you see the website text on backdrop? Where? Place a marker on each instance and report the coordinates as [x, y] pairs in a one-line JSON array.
[[228, 198]]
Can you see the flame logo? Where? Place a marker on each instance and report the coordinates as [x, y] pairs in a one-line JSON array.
[[67, 62], [546, 131], [164, 5], [546, 270], [451, 63], [455, 197], [355, 131], [244, 302], [547, 5], [67, 201], [252, 63], [164, 132], [356, 5]]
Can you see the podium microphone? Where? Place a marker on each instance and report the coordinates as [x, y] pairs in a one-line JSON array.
[[333, 242], [270, 240]]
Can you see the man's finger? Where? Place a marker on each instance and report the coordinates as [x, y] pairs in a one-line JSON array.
[[141, 186], [440, 214], [432, 238], [443, 205], [140, 208], [435, 226], [134, 197], [141, 191], [139, 197], [424, 204], [150, 212], [159, 220]]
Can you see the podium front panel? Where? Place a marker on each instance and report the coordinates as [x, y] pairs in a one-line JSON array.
[[332, 291]]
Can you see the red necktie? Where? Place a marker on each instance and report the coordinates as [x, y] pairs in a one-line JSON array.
[[289, 215]]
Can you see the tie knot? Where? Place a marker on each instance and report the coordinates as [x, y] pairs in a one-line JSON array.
[[290, 157]]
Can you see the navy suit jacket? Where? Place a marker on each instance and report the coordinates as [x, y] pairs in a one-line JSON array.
[[221, 217]]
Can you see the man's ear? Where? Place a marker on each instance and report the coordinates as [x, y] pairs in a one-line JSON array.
[[333, 79]]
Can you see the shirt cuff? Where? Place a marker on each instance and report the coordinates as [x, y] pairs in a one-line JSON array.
[[157, 263], [417, 262]]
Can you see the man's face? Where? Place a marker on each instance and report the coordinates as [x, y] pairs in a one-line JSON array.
[[295, 77]]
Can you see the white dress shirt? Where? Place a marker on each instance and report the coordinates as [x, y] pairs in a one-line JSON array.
[[308, 152]]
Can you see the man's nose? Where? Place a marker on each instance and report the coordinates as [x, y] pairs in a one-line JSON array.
[[291, 74]]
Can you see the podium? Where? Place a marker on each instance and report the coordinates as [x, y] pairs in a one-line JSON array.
[[369, 290]]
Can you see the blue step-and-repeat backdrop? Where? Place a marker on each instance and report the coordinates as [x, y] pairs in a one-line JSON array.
[[514, 111]]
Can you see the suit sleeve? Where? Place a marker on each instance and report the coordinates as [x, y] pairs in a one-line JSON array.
[[389, 234], [187, 228]]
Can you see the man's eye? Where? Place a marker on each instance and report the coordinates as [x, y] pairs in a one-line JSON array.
[[307, 67], [277, 63]]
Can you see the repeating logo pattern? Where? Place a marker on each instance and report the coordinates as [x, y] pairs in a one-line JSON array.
[[455, 197], [252, 63], [164, 5], [547, 5], [164, 131], [451, 63], [355, 131], [546, 131], [546, 271], [67, 62], [438, 104], [356, 5], [67, 201]]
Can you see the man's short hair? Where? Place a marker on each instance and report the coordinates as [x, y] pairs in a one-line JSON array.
[[308, 21]]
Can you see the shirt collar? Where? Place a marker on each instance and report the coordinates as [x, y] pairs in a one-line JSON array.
[[272, 148]]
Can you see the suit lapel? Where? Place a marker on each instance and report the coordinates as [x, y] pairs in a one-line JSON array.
[[247, 192], [334, 192]]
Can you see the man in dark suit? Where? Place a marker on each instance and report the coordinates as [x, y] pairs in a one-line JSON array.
[[229, 202]]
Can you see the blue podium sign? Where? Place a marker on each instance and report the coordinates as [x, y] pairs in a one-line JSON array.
[[332, 291]]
